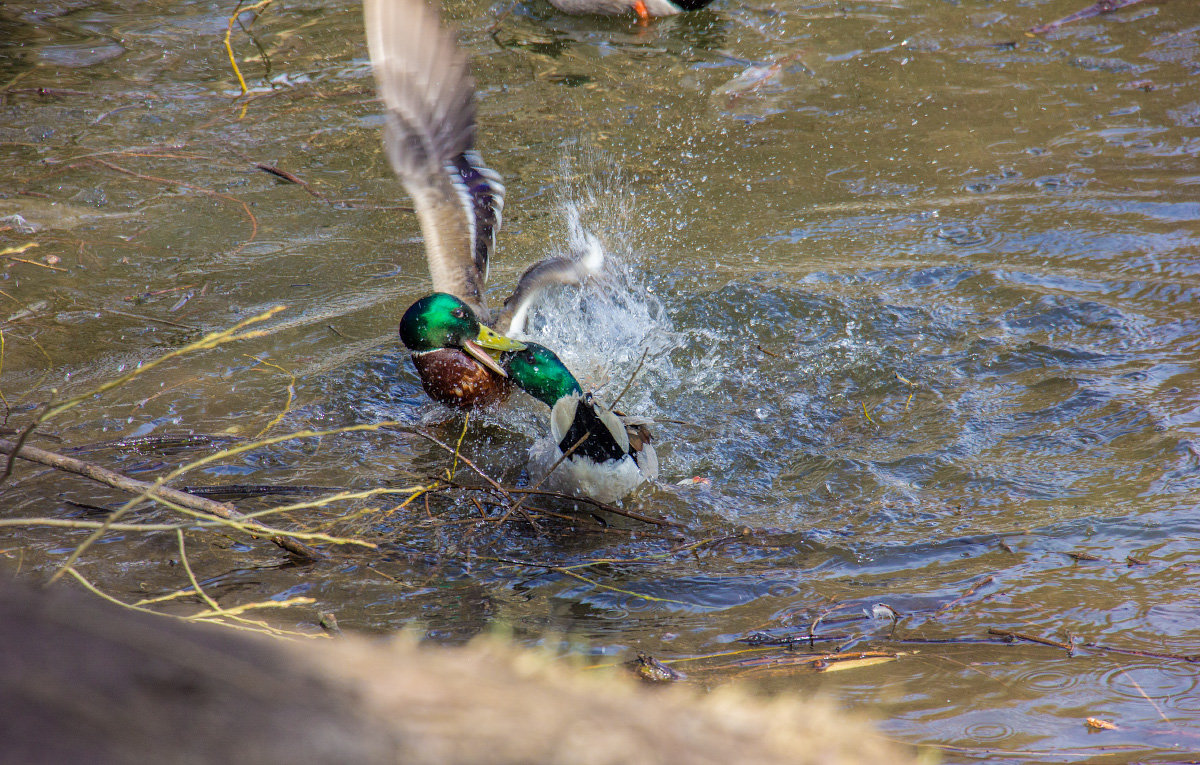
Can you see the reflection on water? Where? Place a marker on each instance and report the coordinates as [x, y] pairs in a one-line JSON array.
[[914, 291]]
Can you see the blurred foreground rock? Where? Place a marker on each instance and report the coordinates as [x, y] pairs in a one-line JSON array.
[[85, 681]]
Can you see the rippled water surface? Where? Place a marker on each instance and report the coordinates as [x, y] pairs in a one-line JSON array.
[[915, 292]]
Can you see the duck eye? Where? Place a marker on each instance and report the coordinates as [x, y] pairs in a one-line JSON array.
[[459, 313]]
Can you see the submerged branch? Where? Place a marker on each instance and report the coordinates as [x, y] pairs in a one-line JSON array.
[[125, 483]]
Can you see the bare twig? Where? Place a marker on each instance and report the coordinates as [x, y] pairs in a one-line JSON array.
[[125, 483], [199, 189], [450, 450], [284, 175], [208, 341], [565, 455], [291, 395], [169, 323], [238, 11], [1099, 7], [974, 588], [207, 616], [491, 481], [602, 506], [25, 433], [632, 377], [458, 448], [1010, 635]]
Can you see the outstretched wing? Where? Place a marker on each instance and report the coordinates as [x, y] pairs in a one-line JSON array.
[[424, 82]]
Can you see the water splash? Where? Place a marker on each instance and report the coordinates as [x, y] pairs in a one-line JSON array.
[[603, 330]]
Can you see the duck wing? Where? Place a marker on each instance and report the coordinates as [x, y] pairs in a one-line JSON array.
[[423, 79], [572, 271]]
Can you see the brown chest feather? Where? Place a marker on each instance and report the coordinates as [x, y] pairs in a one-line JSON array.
[[453, 378]]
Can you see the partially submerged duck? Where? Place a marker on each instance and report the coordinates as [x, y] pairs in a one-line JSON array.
[[429, 133], [645, 9], [607, 454]]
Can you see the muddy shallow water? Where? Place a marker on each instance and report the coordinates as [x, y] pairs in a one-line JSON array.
[[916, 303]]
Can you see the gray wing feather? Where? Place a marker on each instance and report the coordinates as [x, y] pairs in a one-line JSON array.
[[424, 82], [538, 277]]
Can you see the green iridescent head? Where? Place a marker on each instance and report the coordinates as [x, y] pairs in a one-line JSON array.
[[443, 321], [541, 374]]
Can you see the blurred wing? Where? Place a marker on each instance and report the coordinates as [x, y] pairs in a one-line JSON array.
[[424, 82]]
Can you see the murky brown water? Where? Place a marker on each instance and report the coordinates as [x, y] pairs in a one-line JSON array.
[[919, 307]]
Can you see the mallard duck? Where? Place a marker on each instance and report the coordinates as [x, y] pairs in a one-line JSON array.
[[424, 82], [643, 8], [608, 454], [448, 345]]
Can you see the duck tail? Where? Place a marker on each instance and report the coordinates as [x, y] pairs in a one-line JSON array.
[[570, 271]]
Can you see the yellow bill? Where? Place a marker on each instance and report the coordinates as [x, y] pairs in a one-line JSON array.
[[492, 340]]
